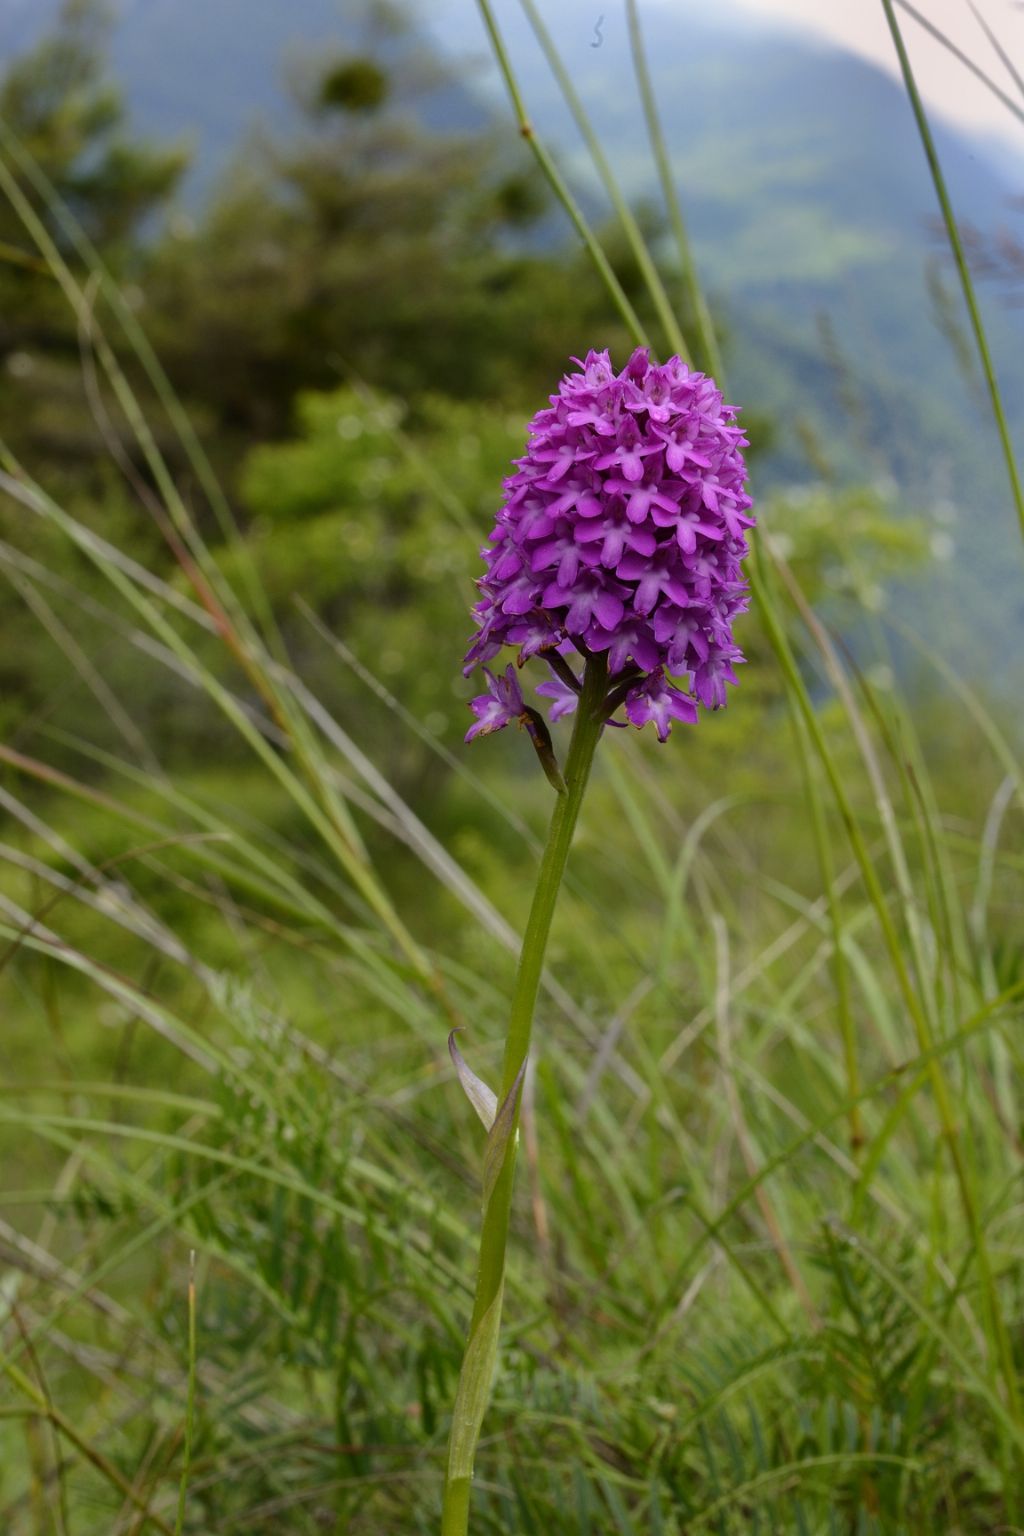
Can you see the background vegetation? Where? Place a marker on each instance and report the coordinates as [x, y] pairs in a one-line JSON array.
[[766, 1274]]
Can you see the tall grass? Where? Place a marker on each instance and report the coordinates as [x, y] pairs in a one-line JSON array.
[[767, 1248]]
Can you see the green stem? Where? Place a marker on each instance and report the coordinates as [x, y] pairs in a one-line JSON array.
[[590, 718]]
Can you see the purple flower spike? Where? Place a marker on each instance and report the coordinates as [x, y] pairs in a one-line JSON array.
[[622, 534]]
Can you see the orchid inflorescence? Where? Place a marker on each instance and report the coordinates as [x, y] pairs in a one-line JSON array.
[[618, 546], [621, 536]]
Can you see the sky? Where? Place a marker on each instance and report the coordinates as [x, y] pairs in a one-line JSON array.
[[860, 25]]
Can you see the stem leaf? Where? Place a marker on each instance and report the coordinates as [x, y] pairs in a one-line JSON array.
[[537, 727], [498, 1135], [483, 1099], [474, 1391]]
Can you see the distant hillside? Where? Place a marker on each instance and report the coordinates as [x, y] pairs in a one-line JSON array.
[[805, 189]]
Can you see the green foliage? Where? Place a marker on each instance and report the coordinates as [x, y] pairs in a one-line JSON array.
[[375, 528]]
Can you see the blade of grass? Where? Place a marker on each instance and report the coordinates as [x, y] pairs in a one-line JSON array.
[[963, 58], [84, 1447], [176, 413], [918, 1002], [712, 357], [190, 1409], [960, 258], [557, 181], [356, 866], [840, 975], [637, 244], [1004, 57]]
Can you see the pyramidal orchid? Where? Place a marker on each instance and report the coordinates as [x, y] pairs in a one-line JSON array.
[[615, 567], [622, 534]]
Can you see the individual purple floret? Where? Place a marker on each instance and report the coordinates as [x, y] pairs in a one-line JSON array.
[[501, 705], [622, 533], [655, 699], [563, 699]]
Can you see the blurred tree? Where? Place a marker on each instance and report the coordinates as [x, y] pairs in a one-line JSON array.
[[354, 85]]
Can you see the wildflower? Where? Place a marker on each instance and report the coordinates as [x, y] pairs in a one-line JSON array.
[[622, 532]]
